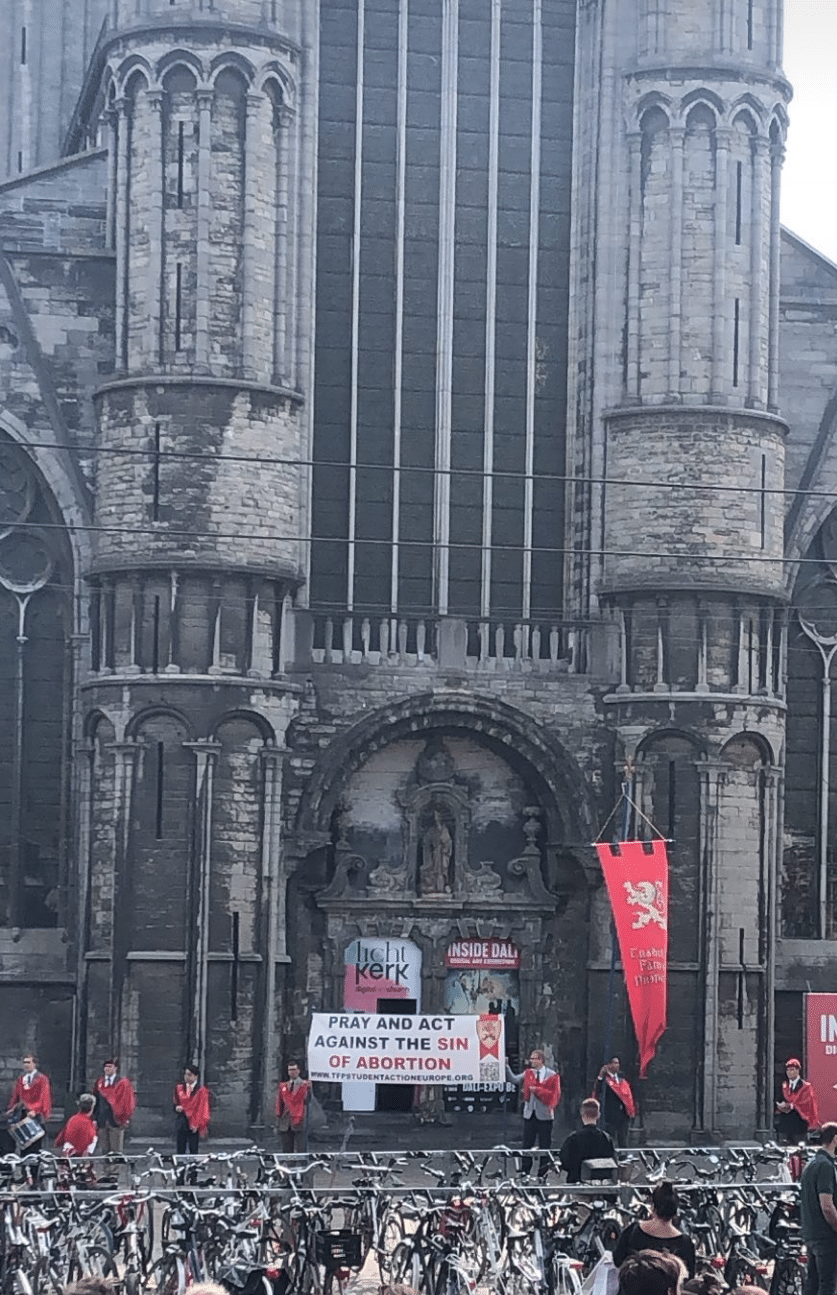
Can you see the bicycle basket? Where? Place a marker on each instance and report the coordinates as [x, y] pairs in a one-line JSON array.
[[340, 1248]]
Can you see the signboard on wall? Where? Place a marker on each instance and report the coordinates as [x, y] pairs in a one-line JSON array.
[[484, 976], [369, 1047], [821, 1051], [377, 969]]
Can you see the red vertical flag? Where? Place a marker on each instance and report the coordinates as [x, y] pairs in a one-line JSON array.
[[636, 873]]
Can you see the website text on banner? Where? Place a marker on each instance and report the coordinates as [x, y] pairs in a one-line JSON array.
[[636, 873], [404, 1049], [821, 1051]]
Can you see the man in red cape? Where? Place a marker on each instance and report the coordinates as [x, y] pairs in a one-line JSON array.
[[115, 1104], [191, 1107], [618, 1105], [541, 1095], [32, 1095], [78, 1136], [797, 1112], [291, 1106]]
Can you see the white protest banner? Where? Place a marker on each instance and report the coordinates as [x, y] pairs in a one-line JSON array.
[[407, 1049]]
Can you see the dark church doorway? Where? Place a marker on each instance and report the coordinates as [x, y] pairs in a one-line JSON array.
[[396, 1097]]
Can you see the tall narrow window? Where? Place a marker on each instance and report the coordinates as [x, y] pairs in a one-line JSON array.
[[155, 497], [672, 797], [155, 644], [736, 341], [161, 760], [178, 306], [763, 501], [739, 185], [749, 24], [23, 44], [181, 128]]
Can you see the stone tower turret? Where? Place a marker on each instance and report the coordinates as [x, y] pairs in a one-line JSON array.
[[198, 501], [677, 531]]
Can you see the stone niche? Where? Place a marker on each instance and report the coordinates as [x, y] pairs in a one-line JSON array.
[[441, 824]]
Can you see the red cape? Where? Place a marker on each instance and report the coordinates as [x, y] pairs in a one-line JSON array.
[[37, 1098], [79, 1131], [195, 1108], [804, 1101], [622, 1089], [120, 1098], [293, 1101], [548, 1092]]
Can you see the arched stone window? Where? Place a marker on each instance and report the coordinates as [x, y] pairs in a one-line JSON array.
[[36, 585]]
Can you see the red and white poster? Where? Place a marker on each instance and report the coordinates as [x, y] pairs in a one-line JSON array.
[[821, 1051], [636, 873], [381, 969]]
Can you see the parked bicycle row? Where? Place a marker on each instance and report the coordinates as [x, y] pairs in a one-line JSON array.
[[255, 1220]]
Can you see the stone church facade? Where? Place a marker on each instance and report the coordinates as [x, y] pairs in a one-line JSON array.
[[413, 422]]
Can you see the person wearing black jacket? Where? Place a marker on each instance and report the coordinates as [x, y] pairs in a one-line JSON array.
[[659, 1232], [587, 1143]]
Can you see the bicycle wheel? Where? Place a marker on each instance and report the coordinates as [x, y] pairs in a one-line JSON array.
[[562, 1278], [46, 1279], [91, 1261], [741, 1271], [407, 1268], [788, 1277], [168, 1276]]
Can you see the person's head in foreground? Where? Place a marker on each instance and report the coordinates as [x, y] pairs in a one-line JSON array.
[[590, 1110], [651, 1272]]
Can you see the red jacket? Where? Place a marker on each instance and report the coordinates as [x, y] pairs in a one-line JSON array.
[[548, 1092], [78, 1136], [622, 1089], [292, 1101], [37, 1098], [119, 1096], [195, 1107], [803, 1099]]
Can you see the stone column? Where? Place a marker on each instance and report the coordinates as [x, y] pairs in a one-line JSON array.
[[274, 888], [252, 295], [123, 185], [202, 295], [711, 775], [156, 227], [125, 764]]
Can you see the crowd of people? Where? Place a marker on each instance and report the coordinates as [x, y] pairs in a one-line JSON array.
[[103, 1115]]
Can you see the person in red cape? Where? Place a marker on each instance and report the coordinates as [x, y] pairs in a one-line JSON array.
[[32, 1096], [78, 1136], [115, 1104], [618, 1105], [541, 1095], [796, 1113], [292, 1100], [191, 1109]]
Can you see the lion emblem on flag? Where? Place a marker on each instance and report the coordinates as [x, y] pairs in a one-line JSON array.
[[647, 897]]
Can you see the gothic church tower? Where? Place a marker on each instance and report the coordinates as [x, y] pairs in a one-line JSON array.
[[199, 495], [676, 535]]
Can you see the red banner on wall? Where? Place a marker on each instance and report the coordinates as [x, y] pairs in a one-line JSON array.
[[636, 873], [821, 1051]]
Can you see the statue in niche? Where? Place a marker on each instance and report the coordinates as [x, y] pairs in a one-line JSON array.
[[436, 857]]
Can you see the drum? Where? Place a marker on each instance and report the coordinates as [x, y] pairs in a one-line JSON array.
[[25, 1133]]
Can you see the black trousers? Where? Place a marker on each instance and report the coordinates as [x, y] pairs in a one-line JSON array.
[[186, 1139], [821, 1269], [537, 1133], [618, 1126]]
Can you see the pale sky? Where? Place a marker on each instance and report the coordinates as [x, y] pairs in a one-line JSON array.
[[809, 180]]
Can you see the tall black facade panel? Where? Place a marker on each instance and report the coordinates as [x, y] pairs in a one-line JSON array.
[[434, 365]]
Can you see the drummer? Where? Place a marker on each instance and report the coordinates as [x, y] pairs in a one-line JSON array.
[[32, 1097]]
